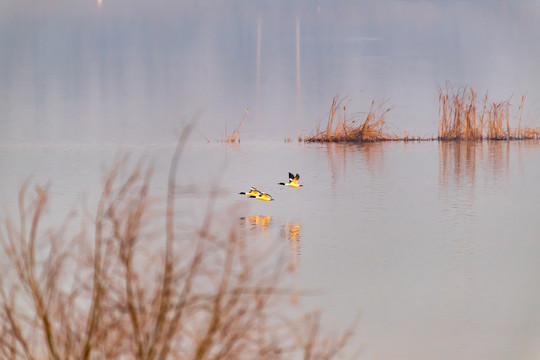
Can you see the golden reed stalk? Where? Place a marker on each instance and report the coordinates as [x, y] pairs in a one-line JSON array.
[[461, 119], [355, 129]]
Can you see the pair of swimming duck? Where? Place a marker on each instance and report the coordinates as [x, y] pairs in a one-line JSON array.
[[254, 193]]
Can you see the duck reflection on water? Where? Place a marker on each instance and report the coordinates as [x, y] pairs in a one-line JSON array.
[[291, 232], [256, 222]]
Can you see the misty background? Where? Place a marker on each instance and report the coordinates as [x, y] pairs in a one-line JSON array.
[[137, 71]]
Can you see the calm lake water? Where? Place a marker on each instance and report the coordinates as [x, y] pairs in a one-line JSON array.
[[434, 245]]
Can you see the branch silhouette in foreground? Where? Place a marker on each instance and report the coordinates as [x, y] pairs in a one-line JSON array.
[[127, 287]]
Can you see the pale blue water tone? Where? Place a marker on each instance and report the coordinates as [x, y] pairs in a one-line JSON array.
[[434, 245]]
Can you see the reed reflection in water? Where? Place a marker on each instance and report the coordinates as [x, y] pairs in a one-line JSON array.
[[458, 160], [341, 155]]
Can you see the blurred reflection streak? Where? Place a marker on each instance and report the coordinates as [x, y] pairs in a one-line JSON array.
[[457, 161], [291, 232], [258, 75], [231, 145], [373, 154], [460, 162], [256, 222], [298, 84], [331, 154], [499, 153], [523, 148], [339, 154]]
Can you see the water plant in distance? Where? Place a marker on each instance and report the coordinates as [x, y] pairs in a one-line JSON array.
[[354, 128], [463, 117], [132, 283], [235, 136]]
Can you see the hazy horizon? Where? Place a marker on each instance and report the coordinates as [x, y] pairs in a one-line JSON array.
[[135, 72]]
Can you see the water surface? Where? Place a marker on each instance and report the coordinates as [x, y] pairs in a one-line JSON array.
[[433, 244]]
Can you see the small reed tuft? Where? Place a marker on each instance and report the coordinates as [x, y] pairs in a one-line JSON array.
[[235, 136]]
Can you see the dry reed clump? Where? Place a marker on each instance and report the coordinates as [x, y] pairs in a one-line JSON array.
[[235, 136], [462, 117], [339, 128], [127, 291]]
